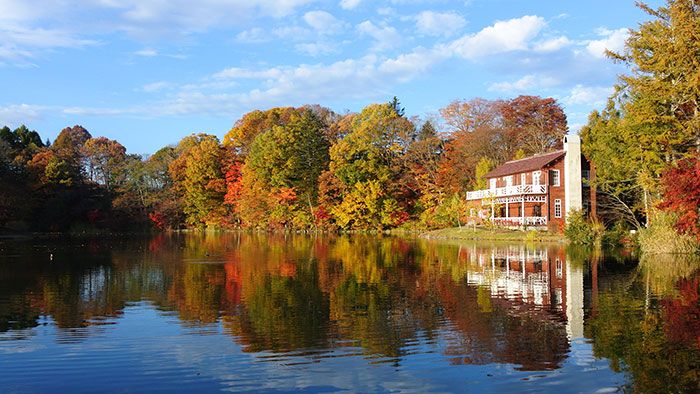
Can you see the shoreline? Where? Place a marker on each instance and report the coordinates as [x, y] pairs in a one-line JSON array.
[[480, 234], [453, 233]]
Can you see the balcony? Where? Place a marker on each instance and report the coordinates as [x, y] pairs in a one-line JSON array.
[[521, 221], [518, 190]]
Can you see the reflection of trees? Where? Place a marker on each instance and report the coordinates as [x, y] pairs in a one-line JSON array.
[[285, 292], [283, 313], [18, 302], [382, 294], [86, 281], [646, 322]]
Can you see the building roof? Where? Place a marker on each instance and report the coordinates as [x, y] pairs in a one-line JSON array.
[[527, 164]]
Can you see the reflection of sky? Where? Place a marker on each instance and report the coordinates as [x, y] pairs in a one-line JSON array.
[[147, 350]]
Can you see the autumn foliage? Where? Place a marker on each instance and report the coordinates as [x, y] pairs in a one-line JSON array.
[[287, 168], [681, 192]]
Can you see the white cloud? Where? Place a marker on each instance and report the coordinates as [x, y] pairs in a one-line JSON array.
[[553, 44], [439, 24], [574, 128], [349, 4], [323, 22], [100, 111], [528, 82], [294, 33], [146, 52], [613, 40], [253, 36], [24, 10], [408, 66], [317, 48], [180, 14], [386, 37], [21, 42], [589, 95], [369, 76], [155, 86], [503, 36], [42, 38], [241, 73], [141, 19], [366, 77], [16, 114]]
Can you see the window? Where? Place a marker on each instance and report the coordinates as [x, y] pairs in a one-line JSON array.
[[536, 177], [555, 177], [509, 180], [559, 268], [557, 208], [586, 174], [520, 211], [523, 179], [492, 183], [537, 211]]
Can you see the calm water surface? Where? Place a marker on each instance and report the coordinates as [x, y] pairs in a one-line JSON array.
[[261, 314]]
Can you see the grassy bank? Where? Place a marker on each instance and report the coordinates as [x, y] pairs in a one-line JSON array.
[[480, 234]]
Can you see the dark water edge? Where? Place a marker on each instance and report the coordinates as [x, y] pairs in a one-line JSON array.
[[185, 312]]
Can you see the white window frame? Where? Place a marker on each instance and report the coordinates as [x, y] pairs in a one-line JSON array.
[[492, 183], [523, 179], [509, 180], [556, 178], [536, 177], [557, 208]]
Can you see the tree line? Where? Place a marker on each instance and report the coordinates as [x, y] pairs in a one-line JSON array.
[[305, 168]]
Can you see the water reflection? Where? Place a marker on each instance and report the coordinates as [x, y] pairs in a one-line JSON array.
[[647, 323], [299, 299]]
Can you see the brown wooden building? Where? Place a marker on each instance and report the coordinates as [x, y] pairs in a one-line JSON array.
[[540, 190]]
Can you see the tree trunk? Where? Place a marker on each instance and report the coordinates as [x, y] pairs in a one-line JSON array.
[[646, 208]]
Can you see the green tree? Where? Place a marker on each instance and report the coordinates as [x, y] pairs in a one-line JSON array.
[[284, 164], [620, 160], [20, 145], [371, 156], [198, 179], [482, 168], [243, 133], [664, 85]]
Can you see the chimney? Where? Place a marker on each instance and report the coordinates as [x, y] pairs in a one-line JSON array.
[[573, 198]]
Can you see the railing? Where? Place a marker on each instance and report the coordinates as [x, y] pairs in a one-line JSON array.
[[507, 191], [518, 221]]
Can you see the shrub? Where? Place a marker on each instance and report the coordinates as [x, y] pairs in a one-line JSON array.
[[578, 230], [615, 234], [582, 231], [597, 230], [662, 237]]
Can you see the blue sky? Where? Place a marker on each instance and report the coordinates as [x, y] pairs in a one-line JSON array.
[[149, 72]]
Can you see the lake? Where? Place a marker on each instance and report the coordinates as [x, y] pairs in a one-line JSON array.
[[263, 313]]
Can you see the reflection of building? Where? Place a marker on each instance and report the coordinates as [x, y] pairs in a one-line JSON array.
[[541, 189], [539, 282]]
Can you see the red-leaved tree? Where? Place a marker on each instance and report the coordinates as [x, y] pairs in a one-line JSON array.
[[681, 192]]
